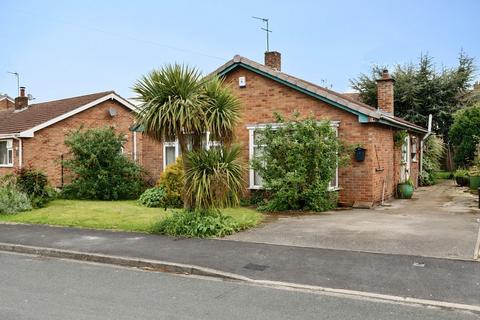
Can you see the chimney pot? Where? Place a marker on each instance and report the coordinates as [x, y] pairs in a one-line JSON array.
[[273, 59], [22, 91]]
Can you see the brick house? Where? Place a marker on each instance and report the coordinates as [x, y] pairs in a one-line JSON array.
[[264, 89], [34, 134]]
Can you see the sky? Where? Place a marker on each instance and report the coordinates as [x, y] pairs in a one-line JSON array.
[[69, 48]]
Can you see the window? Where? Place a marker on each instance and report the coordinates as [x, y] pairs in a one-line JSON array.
[[333, 185], [171, 148], [6, 153], [413, 147], [171, 151], [255, 150]]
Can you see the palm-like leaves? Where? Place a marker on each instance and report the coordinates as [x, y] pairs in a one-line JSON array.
[[223, 110], [173, 102], [215, 177], [177, 101]]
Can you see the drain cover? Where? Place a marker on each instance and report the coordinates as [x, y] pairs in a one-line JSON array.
[[255, 267]]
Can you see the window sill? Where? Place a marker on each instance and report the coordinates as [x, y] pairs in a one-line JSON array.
[[6, 165], [255, 188], [334, 189]]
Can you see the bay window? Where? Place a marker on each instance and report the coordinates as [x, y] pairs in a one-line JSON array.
[[256, 149]]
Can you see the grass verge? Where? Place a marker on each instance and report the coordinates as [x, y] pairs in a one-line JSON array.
[[115, 215]]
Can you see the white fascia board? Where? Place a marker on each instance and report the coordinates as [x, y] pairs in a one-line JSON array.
[[31, 132]]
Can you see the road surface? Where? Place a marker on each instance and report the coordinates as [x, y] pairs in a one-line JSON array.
[[38, 288]]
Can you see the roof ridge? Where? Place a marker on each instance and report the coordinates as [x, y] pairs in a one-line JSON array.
[[101, 93]]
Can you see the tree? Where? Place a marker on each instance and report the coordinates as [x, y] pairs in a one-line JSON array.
[[177, 101], [465, 135], [98, 167], [421, 89]]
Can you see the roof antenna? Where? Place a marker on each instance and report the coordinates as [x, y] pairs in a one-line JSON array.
[[266, 29], [18, 81]]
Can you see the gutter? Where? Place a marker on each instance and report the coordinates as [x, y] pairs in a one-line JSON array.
[[20, 151]]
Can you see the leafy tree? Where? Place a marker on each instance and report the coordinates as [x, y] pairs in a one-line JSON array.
[[99, 169], [421, 89], [297, 162], [177, 101], [432, 156], [465, 134]]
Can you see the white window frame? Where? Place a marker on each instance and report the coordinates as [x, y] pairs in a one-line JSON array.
[[9, 149], [176, 144], [335, 187], [252, 146]]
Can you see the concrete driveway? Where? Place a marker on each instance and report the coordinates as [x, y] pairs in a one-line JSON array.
[[440, 221]]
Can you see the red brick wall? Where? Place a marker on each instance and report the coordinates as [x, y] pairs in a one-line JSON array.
[[360, 181], [152, 158]]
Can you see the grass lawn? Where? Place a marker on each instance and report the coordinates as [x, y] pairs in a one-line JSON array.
[[442, 175], [118, 215]]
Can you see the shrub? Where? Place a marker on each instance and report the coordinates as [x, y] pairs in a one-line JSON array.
[[172, 180], [214, 177], [12, 200], [99, 169], [199, 223], [153, 198], [35, 184], [432, 156], [297, 163], [465, 135]]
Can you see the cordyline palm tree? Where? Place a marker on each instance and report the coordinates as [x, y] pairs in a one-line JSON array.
[[178, 101]]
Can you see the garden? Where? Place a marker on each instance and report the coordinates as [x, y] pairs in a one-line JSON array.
[[199, 195]]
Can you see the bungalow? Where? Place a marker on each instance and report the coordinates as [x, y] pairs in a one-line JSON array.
[[34, 134], [264, 90]]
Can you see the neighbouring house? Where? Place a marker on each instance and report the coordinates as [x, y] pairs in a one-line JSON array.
[[34, 134], [265, 89]]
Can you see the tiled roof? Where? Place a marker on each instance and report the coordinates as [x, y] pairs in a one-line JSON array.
[[346, 100], [12, 121]]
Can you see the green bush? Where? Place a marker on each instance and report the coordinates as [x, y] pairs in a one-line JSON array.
[[465, 135], [199, 223], [13, 201], [35, 184], [172, 180], [99, 169], [214, 177], [297, 163], [153, 198], [432, 156]]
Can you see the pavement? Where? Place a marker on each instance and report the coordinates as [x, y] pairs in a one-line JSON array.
[[51, 289], [436, 279], [440, 221]]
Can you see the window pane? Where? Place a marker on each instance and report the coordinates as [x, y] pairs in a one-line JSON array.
[[257, 134], [169, 155], [257, 180], [10, 156], [3, 152]]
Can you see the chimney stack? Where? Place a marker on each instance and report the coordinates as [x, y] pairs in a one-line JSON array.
[[273, 59], [21, 102], [385, 98]]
